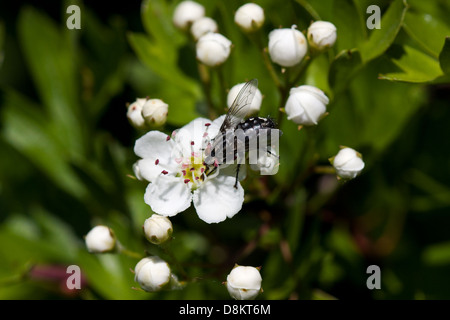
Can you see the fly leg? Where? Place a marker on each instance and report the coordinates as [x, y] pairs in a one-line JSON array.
[[237, 176]]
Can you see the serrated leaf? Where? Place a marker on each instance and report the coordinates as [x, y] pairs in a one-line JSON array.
[[417, 67], [381, 39], [427, 31]]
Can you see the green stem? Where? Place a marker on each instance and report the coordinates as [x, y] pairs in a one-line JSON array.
[[167, 250], [122, 250], [205, 78]]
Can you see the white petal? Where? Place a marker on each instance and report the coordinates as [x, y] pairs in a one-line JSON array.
[[217, 199], [192, 132], [150, 169], [154, 145], [168, 195]]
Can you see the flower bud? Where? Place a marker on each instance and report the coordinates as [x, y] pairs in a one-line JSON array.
[[158, 229], [137, 171], [321, 35], [306, 105], [267, 163], [203, 26], [249, 17], [134, 114], [154, 112], [213, 49], [348, 163], [100, 239], [152, 273], [287, 46], [186, 13], [244, 283], [256, 102]]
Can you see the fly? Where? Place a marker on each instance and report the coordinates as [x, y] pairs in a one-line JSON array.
[[236, 136]]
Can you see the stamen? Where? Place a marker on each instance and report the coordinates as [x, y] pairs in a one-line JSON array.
[[207, 124], [157, 161], [192, 169], [184, 172], [192, 143], [167, 138], [187, 180], [164, 172]]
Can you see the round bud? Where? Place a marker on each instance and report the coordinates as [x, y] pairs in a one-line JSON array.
[[134, 113], [256, 102], [306, 105], [203, 26], [249, 17], [213, 49], [321, 35], [244, 283], [186, 13], [287, 46], [158, 229], [154, 112], [152, 273], [100, 239], [348, 163]]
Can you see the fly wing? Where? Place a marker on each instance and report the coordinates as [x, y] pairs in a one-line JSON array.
[[240, 106]]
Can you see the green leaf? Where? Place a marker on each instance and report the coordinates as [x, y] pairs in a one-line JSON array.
[[381, 39], [350, 31], [426, 30], [416, 67], [51, 59], [444, 57], [343, 69], [27, 130]]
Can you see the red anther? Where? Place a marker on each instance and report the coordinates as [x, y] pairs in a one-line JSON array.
[[196, 178], [202, 170], [186, 180], [207, 124], [157, 161], [216, 163], [184, 172], [167, 138], [192, 143], [192, 169], [164, 172]]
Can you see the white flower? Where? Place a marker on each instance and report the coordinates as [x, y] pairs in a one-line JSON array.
[[249, 17], [321, 35], [256, 102], [306, 105], [100, 239], [348, 163], [158, 229], [152, 273], [203, 26], [287, 46], [134, 113], [175, 167], [213, 49], [244, 283], [154, 112], [186, 13]]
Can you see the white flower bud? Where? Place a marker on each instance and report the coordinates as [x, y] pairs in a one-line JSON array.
[[100, 239], [256, 102], [213, 49], [186, 13], [134, 114], [154, 112], [267, 163], [249, 17], [152, 273], [321, 35], [287, 46], [203, 26], [348, 163], [306, 105], [158, 229], [244, 283]]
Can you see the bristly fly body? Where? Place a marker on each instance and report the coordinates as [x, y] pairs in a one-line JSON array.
[[237, 136]]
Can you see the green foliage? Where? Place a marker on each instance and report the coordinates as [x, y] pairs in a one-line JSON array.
[[67, 152]]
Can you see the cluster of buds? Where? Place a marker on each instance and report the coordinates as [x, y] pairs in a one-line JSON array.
[[147, 113]]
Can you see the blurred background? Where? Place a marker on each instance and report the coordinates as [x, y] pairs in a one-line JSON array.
[[67, 152]]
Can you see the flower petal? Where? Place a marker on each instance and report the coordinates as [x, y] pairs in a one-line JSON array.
[[154, 145], [168, 195], [217, 199], [150, 169]]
